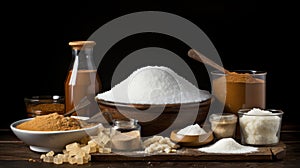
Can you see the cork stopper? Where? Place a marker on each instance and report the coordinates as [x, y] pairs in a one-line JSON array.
[[79, 44]]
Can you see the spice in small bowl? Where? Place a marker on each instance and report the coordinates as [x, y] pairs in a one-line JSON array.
[[52, 132], [223, 125]]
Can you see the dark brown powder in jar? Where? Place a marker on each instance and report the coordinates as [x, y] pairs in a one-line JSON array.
[[50, 122]]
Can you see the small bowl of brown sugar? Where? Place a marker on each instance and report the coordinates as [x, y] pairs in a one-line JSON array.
[[52, 131]]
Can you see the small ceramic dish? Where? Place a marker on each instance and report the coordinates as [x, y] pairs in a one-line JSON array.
[[191, 140], [45, 141]]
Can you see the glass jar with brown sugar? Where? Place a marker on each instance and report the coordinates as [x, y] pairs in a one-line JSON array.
[[44, 104], [239, 89]]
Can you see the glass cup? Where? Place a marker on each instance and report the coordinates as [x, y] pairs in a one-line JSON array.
[[239, 89], [260, 127], [45, 104], [223, 125], [126, 135]]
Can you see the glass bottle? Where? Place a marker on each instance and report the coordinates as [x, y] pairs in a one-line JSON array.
[[82, 79]]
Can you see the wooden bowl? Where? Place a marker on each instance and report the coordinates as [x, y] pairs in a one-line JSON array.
[[158, 117], [191, 140]]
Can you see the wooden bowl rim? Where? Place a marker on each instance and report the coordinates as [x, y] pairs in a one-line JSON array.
[[145, 106]]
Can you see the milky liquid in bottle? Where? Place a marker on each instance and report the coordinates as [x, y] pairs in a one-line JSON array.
[[82, 79]]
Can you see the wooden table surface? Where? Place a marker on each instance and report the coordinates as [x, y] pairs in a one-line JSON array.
[[14, 153]]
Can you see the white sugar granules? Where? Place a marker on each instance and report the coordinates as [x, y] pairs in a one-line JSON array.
[[228, 145], [192, 130], [154, 85], [260, 127]]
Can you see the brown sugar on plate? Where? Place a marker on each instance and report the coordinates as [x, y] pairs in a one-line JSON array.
[[50, 122]]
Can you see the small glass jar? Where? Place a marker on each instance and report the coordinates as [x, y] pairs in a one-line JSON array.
[[260, 128], [126, 125], [126, 135], [223, 125], [44, 104]]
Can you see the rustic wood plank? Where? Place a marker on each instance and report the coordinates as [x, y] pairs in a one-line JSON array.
[[14, 153], [278, 151], [192, 154], [17, 151], [185, 154]]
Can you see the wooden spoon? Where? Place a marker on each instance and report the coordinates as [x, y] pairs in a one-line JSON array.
[[201, 58]]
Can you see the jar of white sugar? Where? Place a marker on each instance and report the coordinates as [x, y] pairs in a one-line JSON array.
[[260, 127]]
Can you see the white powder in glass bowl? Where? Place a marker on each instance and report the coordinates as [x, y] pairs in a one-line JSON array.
[[154, 85], [260, 127]]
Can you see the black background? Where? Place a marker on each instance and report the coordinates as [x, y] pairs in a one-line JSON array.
[[247, 34]]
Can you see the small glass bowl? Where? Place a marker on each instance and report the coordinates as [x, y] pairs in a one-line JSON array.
[[126, 125], [260, 129], [46, 104], [126, 135], [223, 125]]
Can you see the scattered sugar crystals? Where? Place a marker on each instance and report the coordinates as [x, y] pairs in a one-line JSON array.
[[159, 144], [228, 145], [79, 152]]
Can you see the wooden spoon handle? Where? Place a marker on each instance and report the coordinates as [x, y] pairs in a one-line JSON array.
[[201, 58]]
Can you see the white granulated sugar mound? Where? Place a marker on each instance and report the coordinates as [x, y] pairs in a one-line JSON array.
[[154, 85], [192, 130], [228, 145]]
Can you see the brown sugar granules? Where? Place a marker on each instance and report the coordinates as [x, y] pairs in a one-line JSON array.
[[241, 78], [50, 122]]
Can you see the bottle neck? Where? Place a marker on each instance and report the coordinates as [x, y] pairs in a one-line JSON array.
[[83, 59]]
